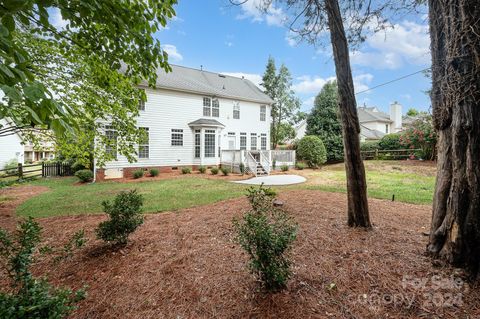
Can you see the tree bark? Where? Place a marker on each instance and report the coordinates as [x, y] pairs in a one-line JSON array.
[[455, 47], [358, 215]]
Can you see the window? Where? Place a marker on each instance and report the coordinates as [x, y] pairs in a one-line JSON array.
[[253, 141], [263, 142], [197, 143], [209, 143], [177, 137], [236, 110], [386, 128], [141, 105], [143, 145], [263, 113], [243, 141], [111, 142], [207, 103], [215, 108]]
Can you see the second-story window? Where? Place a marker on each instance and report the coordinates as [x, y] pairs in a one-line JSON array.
[[263, 113], [141, 105], [215, 108], [207, 105], [386, 128], [236, 110], [143, 145]]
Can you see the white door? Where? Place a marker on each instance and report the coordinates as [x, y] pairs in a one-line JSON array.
[[231, 143]]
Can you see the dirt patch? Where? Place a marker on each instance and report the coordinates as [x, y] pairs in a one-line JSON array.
[[14, 196], [185, 265]]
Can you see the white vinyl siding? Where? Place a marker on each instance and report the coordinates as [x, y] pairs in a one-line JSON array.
[[177, 137]]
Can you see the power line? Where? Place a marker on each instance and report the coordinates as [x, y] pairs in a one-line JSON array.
[[394, 80]]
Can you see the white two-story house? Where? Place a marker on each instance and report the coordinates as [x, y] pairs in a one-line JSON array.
[[199, 118]]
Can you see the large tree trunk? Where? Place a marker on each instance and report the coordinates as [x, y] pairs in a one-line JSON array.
[[455, 46], [358, 215]]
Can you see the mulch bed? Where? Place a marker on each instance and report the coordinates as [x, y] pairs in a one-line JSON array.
[[185, 265], [178, 174]]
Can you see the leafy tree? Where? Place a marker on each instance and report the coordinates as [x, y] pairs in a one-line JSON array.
[[323, 121], [278, 86], [311, 149], [412, 112], [103, 35], [285, 132]]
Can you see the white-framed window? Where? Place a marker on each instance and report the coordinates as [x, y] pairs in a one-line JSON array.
[[386, 128], [141, 105], [243, 141], [215, 108], [253, 141], [177, 137], [263, 141], [209, 143], [111, 143], [143, 145], [207, 106], [197, 144], [263, 113], [236, 110]]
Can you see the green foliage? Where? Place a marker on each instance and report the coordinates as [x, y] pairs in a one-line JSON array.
[[11, 166], [84, 175], [242, 168], [299, 165], [214, 170], [77, 166], [202, 169], [186, 170], [421, 134], [28, 99], [285, 132], [369, 146], [30, 297], [274, 164], [284, 168], [311, 149], [266, 234], [125, 213], [225, 170], [138, 173], [154, 172], [324, 122], [391, 142], [412, 112]]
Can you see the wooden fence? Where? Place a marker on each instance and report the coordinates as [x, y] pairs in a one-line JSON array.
[[389, 154], [35, 170]]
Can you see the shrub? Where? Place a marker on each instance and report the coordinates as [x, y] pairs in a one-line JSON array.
[[154, 172], [391, 142], [274, 164], [124, 217], [225, 171], [311, 149], [84, 175], [77, 166], [138, 173], [214, 170], [11, 166], [202, 169], [369, 146], [242, 168], [299, 166], [30, 297], [266, 234], [186, 170], [284, 168]]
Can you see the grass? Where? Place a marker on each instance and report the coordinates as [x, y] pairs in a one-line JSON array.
[[411, 184]]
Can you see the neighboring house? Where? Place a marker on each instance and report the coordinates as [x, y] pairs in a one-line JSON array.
[[374, 124], [10, 146], [301, 129], [195, 117]]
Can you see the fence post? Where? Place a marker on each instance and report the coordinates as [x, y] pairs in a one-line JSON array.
[[20, 170], [376, 153]]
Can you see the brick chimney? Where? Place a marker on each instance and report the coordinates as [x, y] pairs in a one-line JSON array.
[[396, 116]]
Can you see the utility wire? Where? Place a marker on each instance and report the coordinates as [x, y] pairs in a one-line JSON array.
[[394, 80]]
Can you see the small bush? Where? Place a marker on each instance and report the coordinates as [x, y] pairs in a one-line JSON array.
[[124, 217], [11, 166], [225, 171], [84, 175], [30, 297], [274, 164], [300, 166], [77, 166], [284, 168], [154, 172], [214, 170], [202, 169], [311, 149], [391, 142], [138, 173], [266, 234], [242, 168], [186, 170], [369, 146]]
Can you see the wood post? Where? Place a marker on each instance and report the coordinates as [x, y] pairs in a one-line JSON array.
[[20, 170]]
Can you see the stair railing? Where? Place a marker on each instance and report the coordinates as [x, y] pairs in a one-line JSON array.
[[251, 163], [265, 161]]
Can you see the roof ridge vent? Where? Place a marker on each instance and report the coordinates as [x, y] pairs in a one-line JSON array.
[[221, 75]]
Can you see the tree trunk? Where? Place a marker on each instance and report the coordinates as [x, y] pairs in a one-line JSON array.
[[455, 47], [358, 215]]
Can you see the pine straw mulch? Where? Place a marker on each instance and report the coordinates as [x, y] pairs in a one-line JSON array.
[[185, 265]]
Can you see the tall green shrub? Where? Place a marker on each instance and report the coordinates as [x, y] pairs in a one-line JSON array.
[[391, 142], [311, 149]]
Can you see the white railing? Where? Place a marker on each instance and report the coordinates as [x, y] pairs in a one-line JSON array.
[[283, 157], [250, 164], [265, 160]]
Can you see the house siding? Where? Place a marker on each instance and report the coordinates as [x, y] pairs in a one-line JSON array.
[[10, 147]]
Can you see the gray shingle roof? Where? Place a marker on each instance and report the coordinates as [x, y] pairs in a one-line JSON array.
[[205, 122], [371, 114], [210, 83], [370, 134]]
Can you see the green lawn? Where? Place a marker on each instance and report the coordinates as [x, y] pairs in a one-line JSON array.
[[411, 184]]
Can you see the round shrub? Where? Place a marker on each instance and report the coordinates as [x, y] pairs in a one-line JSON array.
[[369, 146], [284, 168], [214, 170], [202, 169], [300, 166], [154, 172], [77, 166], [84, 175], [186, 170], [242, 168], [390, 142], [311, 149], [225, 171], [138, 173]]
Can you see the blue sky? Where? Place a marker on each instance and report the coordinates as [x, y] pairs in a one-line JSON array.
[[239, 39]]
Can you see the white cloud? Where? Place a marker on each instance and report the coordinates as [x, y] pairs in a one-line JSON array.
[[257, 12], [310, 84], [253, 77], [290, 38], [172, 52], [57, 20], [407, 42], [361, 82], [307, 104]]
